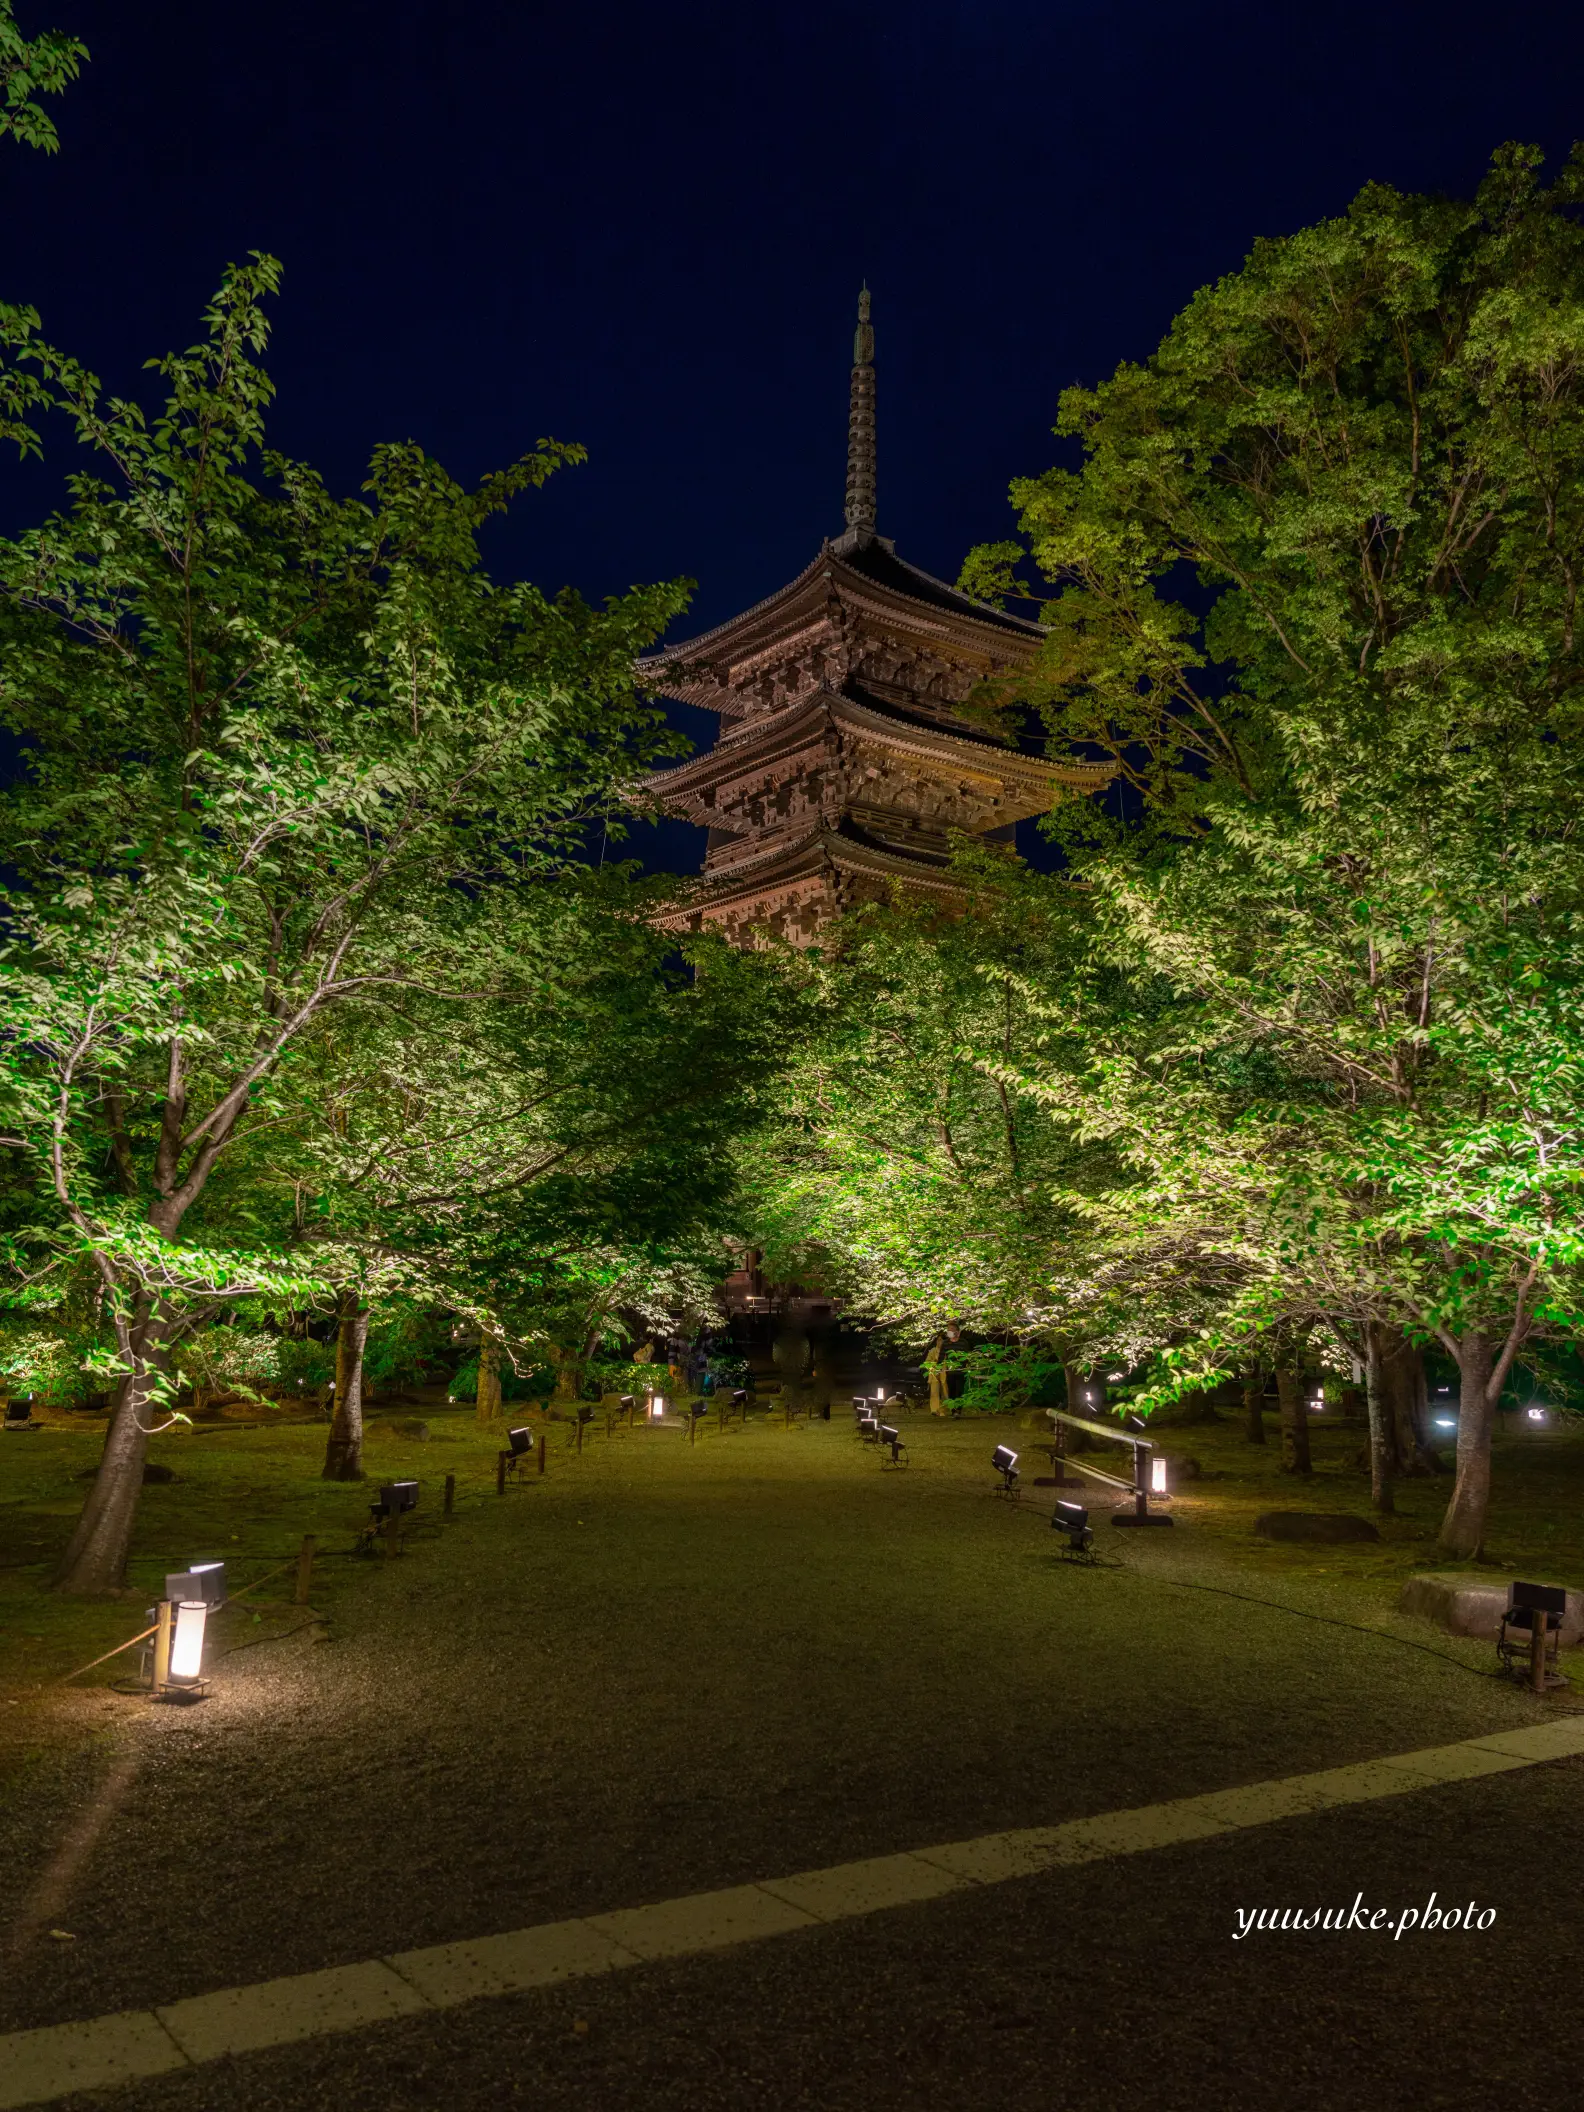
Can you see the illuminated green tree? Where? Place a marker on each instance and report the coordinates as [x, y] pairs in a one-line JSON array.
[[1356, 742], [44, 65], [284, 754]]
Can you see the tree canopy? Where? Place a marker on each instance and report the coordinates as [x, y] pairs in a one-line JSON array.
[[300, 938]]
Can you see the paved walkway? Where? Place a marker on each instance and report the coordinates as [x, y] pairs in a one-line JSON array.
[[56, 2061]]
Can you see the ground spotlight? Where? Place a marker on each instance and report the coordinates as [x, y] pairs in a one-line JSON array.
[[1073, 1520], [200, 1581], [520, 1440], [1005, 1460]]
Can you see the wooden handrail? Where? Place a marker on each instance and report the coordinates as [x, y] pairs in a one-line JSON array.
[[1079, 1422], [1115, 1481]]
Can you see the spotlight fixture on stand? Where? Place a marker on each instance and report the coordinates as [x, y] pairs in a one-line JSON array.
[[890, 1435], [1005, 1460], [199, 1580], [1073, 1520]]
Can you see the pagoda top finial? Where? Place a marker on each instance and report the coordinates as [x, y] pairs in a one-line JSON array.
[[861, 430]]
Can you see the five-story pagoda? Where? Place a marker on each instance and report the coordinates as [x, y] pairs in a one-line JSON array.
[[843, 765]]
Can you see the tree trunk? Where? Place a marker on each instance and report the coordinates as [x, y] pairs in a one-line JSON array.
[[95, 1560], [1382, 1440], [489, 1380], [344, 1446], [1463, 1528], [1294, 1420], [935, 1372], [1403, 1377], [1254, 1406]]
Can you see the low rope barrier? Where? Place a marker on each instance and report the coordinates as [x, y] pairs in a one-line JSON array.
[[116, 1652]]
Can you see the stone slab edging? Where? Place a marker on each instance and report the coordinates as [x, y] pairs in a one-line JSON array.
[[57, 2059]]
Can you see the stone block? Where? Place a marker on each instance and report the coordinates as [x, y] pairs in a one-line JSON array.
[[1467, 1605], [1313, 1526]]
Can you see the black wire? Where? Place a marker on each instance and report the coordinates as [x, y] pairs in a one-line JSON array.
[[1329, 1620]]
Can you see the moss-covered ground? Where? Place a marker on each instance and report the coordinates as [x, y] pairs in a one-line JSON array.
[[247, 1489]]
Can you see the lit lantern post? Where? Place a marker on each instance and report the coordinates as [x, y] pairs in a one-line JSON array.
[[181, 1619]]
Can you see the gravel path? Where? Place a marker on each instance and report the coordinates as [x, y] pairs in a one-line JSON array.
[[664, 1669]]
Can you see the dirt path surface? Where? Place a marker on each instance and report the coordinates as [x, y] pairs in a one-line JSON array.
[[664, 1669]]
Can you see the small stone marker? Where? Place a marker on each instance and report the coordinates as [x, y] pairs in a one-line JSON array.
[[1313, 1526]]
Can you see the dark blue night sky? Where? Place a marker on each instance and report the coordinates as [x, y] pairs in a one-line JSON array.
[[644, 228]]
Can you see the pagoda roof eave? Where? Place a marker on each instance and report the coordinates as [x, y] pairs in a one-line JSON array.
[[803, 859], [936, 605], [763, 741]]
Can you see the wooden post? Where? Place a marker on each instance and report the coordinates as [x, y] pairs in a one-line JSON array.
[[392, 1535], [500, 1472], [542, 1443], [162, 1647], [305, 1563], [450, 1494], [1537, 1650]]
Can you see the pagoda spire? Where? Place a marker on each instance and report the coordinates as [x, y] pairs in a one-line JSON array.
[[861, 430]]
